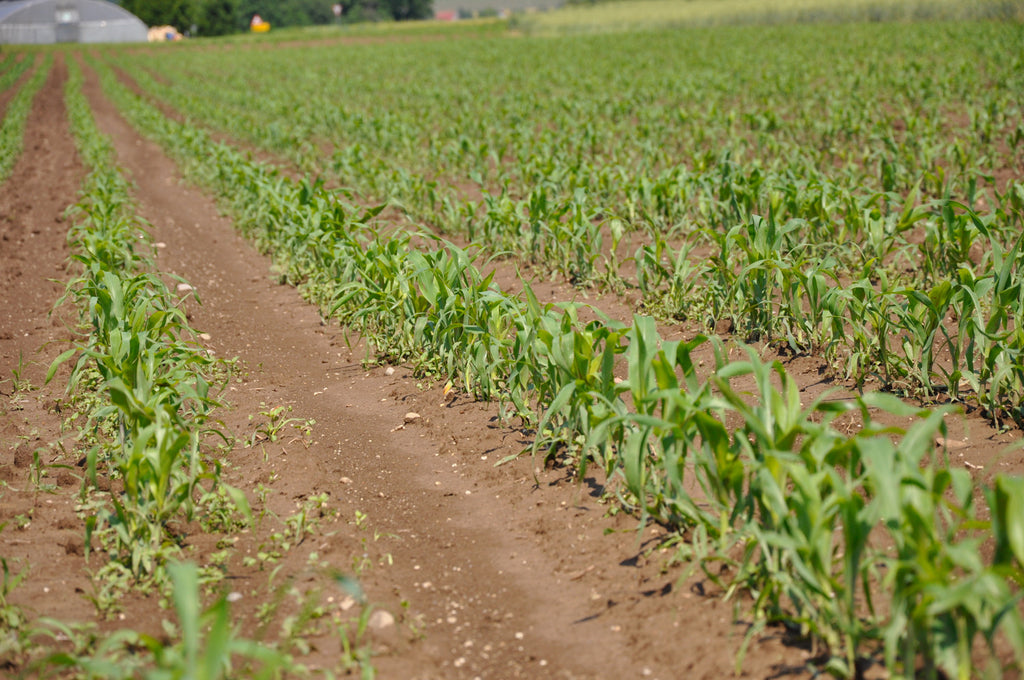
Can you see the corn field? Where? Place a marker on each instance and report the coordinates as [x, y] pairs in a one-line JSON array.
[[851, 195]]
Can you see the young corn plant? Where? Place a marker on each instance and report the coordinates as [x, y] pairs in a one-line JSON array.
[[943, 594], [207, 646], [574, 379], [138, 353]]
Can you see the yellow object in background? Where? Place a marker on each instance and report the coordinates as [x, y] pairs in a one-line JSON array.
[[260, 28]]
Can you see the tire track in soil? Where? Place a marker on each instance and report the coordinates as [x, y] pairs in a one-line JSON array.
[[512, 578]]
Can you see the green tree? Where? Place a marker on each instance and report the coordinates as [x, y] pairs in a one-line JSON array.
[[402, 10], [178, 13], [210, 17], [307, 12], [217, 17], [377, 10]]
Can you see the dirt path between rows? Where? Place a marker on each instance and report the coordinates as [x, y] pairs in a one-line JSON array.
[[490, 573]]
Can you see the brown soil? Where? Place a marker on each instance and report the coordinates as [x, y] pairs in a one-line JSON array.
[[490, 572]]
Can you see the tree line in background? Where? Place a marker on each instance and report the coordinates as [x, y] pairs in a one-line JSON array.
[[221, 17]]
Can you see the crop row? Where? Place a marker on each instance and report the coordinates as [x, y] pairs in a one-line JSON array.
[[141, 355], [657, 102], [809, 221], [653, 132], [813, 523], [6, 62], [12, 130], [140, 386], [11, 69]]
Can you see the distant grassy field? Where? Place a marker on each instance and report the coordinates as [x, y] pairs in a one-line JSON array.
[[639, 14]]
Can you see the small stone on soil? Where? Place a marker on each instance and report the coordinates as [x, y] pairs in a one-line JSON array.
[[381, 619]]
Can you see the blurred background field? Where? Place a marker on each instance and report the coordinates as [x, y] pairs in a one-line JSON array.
[[555, 17], [622, 15]]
